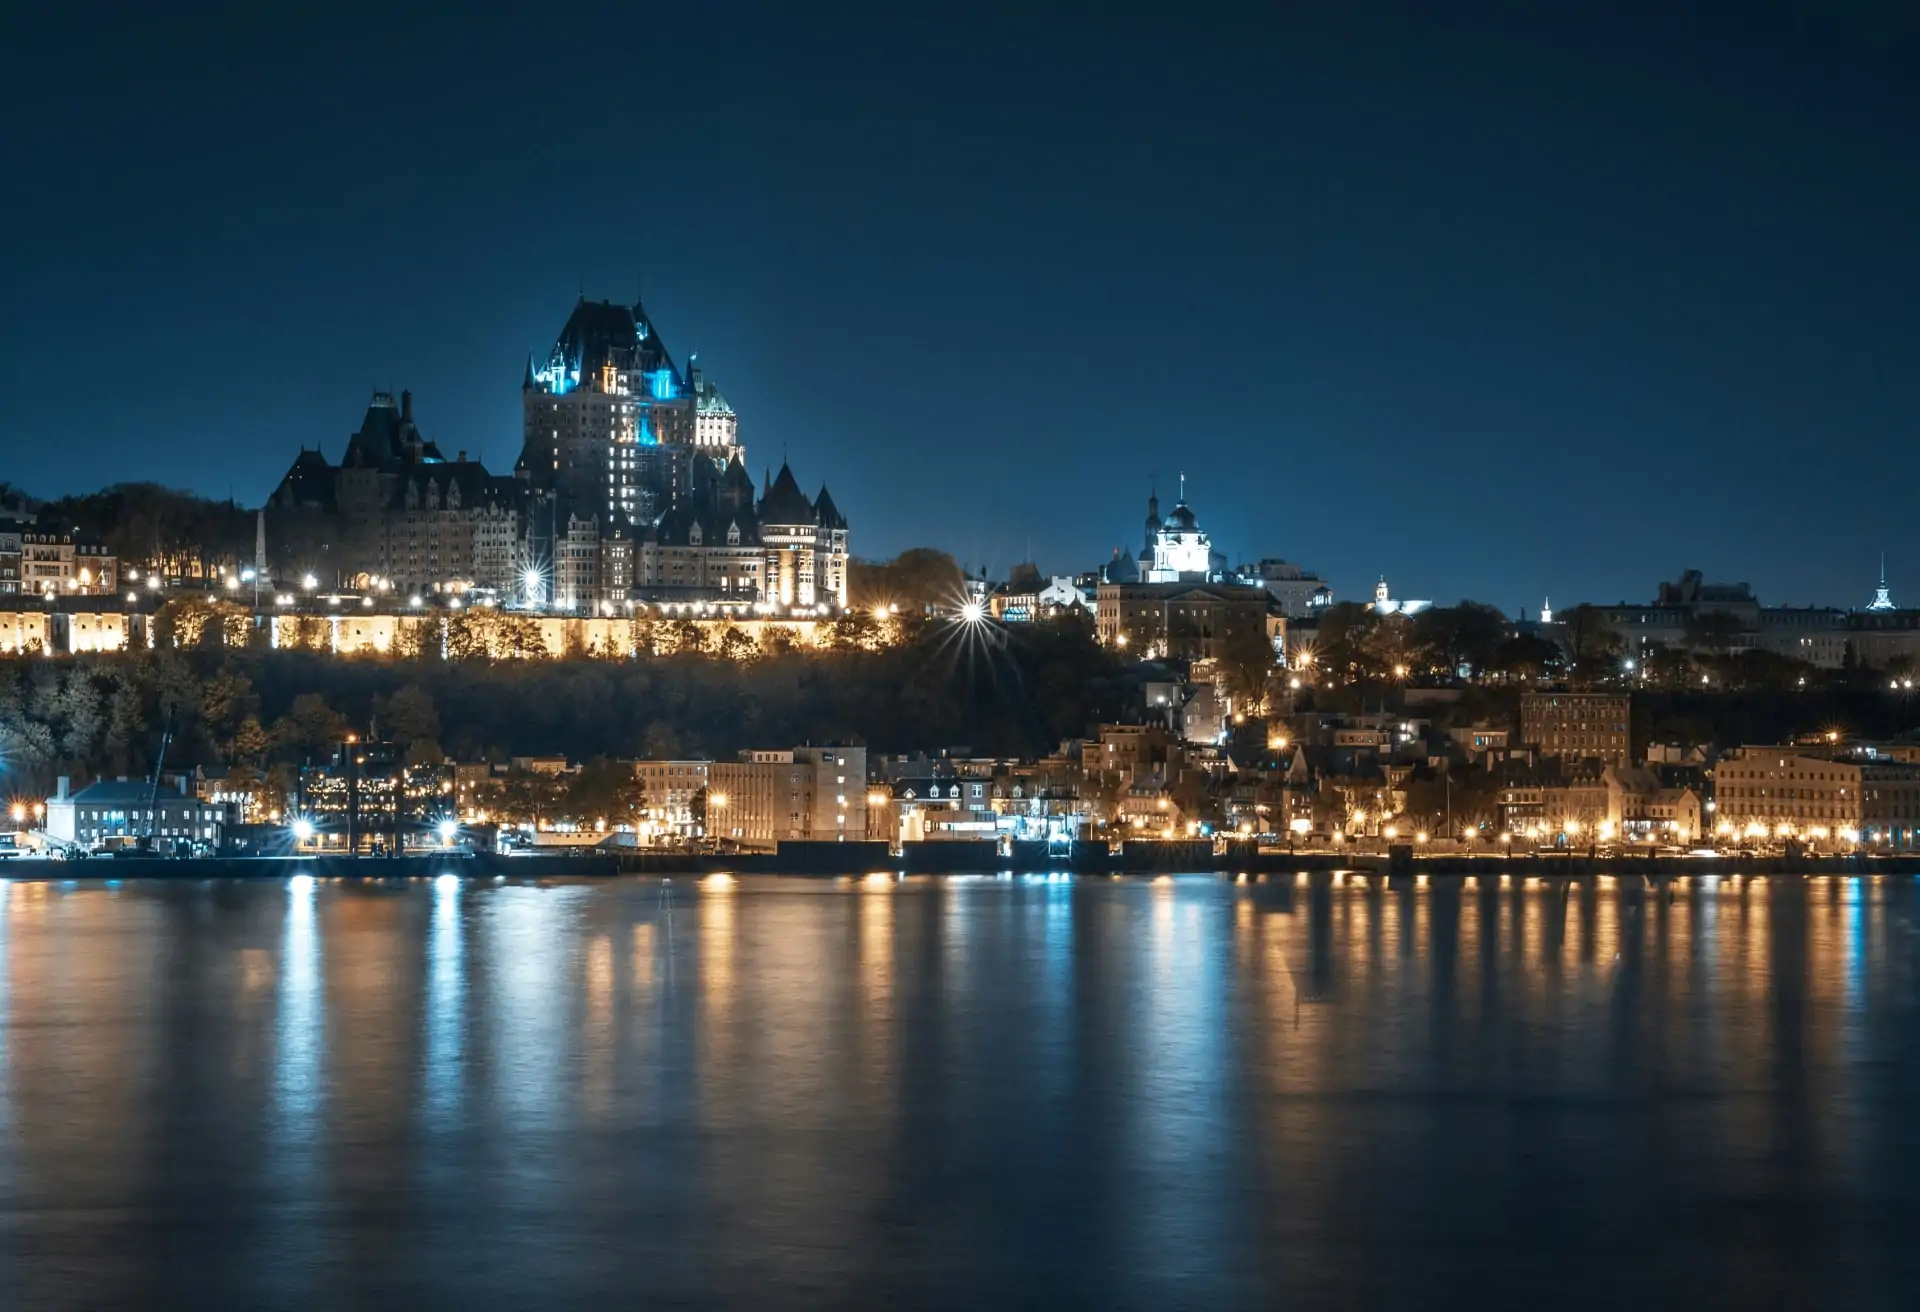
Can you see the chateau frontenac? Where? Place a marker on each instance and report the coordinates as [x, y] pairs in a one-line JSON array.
[[632, 485]]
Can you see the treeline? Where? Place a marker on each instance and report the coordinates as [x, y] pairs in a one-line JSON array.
[[1000, 691], [147, 522]]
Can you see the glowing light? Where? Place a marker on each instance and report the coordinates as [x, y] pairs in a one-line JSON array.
[[973, 612], [309, 582], [303, 830], [1301, 826], [1392, 831], [447, 830]]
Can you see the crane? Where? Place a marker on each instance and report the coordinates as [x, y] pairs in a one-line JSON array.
[[153, 784]]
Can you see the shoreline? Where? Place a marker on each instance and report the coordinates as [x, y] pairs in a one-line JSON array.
[[815, 863]]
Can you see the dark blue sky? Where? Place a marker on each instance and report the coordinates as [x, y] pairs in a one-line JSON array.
[[1496, 300]]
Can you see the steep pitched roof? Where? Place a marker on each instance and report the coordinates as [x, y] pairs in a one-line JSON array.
[[388, 437], [676, 527], [308, 482], [825, 513], [785, 503], [599, 333]]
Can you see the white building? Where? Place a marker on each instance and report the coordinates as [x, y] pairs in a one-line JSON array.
[[1385, 604]]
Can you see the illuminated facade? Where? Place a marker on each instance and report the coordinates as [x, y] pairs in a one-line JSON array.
[[1384, 603], [1175, 550], [624, 450], [39, 560], [1777, 792], [809, 794]]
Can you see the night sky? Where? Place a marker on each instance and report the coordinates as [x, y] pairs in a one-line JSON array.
[[1497, 301]]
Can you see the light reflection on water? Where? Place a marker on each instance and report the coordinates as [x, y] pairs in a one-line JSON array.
[[970, 1092]]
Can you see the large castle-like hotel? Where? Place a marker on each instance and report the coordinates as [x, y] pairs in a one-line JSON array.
[[631, 485]]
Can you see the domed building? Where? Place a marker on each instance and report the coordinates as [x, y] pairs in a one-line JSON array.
[[1177, 549]]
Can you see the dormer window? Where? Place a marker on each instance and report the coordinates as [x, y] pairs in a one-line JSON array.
[[694, 536]]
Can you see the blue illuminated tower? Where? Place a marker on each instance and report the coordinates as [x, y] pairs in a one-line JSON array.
[[599, 411]]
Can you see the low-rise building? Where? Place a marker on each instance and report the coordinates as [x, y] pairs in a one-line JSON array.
[[52, 562], [671, 790], [121, 812], [805, 794]]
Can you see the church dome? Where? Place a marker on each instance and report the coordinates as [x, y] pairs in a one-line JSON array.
[[1181, 519]]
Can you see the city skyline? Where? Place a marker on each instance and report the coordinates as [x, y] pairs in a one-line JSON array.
[[1439, 303]]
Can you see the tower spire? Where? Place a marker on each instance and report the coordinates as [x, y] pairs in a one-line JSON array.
[[1882, 598]]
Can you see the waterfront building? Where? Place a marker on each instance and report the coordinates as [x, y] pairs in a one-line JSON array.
[[937, 809], [1796, 791], [367, 796], [672, 790], [122, 812], [805, 794], [1577, 725]]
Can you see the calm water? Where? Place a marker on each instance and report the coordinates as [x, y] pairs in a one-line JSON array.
[[960, 1093]]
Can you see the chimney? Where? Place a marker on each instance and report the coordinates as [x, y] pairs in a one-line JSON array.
[[61, 786], [462, 458], [406, 407]]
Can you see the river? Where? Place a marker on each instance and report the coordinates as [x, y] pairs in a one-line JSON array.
[[962, 1092]]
